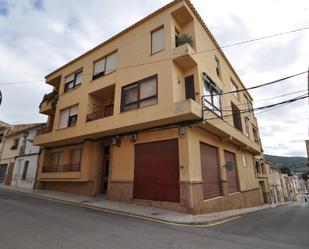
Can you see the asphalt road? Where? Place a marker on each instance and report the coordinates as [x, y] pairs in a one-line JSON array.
[[31, 223]]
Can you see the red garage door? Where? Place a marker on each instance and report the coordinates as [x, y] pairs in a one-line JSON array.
[[232, 174], [156, 173], [210, 171]]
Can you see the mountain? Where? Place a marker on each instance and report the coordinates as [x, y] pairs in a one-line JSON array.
[[295, 164]]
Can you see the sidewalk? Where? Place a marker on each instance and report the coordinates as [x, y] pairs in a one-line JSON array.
[[138, 211]]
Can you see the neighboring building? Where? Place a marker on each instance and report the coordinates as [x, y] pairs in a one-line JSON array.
[[261, 171], [307, 147], [13, 148], [126, 119], [4, 129], [25, 167], [274, 179]]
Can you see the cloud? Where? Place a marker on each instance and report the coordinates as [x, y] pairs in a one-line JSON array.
[[3, 8], [59, 31]]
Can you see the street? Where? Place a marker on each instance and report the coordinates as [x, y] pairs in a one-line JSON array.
[[32, 223]]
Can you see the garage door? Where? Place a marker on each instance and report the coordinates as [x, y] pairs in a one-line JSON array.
[[210, 171], [156, 173], [231, 174]]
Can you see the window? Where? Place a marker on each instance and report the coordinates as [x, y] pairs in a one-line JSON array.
[[157, 40], [218, 67], [140, 94], [76, 156], [25, 170], [234, 88], [15, 144], [105, 65], [212, 96], [236, 117], [73, 80], [68, 117], [248, 105], [1, 137], [247, 123], [244, 160], [256, 135], [56, 158]]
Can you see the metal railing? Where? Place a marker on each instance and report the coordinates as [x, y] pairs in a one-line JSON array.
[[61, 168], [100, 113], [43, 130]]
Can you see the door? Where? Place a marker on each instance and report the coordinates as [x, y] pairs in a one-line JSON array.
[[9, 175], [3, 168], [190, 91], [210, 171], [231, 175], [105, 169], [156, 172]]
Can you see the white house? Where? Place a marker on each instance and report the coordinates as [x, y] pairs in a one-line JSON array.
[[25, 166]]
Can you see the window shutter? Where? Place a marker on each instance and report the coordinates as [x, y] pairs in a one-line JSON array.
[[73, 110], [99, 66], [148, 88], [157, 40], [64, 116], [69, 78], [111, 63], [76, 155]]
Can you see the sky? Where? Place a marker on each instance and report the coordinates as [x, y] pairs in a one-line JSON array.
[[38, 36]]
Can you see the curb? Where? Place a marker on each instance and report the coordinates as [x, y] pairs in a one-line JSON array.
[[137, 216], [131, 215]]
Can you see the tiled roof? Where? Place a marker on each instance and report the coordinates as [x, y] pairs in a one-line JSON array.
[[18, 128]]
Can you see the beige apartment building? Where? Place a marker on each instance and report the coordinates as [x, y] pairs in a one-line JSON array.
[[128, 119]]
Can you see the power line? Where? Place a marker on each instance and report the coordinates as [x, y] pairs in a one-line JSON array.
[[270, 98], [260, 85], [262, 107], [170, 58]]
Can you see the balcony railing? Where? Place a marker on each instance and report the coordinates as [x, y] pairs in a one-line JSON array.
[[43, 130], [61, 168], [101, 113]]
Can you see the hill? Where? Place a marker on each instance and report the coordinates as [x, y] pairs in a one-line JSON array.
[[295, 164]]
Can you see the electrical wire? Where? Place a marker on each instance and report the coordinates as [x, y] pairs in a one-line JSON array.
[[261, 107], [198, 52]]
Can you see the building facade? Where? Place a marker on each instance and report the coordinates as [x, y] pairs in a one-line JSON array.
[[15, 150], [148, 117], [4, 129], [274, 179], [25, 166]]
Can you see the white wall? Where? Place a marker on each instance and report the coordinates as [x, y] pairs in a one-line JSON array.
[[31, 155]]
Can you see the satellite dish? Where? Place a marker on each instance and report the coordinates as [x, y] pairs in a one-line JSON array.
[[229, 165]]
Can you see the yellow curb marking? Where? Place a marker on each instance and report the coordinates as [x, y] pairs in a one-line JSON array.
[[127, 214]]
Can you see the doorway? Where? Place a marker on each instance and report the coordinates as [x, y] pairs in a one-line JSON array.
[[105, 169]]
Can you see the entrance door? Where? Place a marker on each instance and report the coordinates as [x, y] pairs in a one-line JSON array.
[[105, 169], [231, 174], [210, 171], [3, 168]]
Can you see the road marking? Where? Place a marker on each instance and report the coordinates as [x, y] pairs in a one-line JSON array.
[[127, 214]]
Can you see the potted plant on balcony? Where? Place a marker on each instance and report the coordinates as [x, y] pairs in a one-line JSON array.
[[184, 39], [50, 98]]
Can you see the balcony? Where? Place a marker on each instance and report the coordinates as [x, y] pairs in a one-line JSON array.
[[43, 130], [49, 102], [184, 56], [101, 103], [101, 112], [61, 168]]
